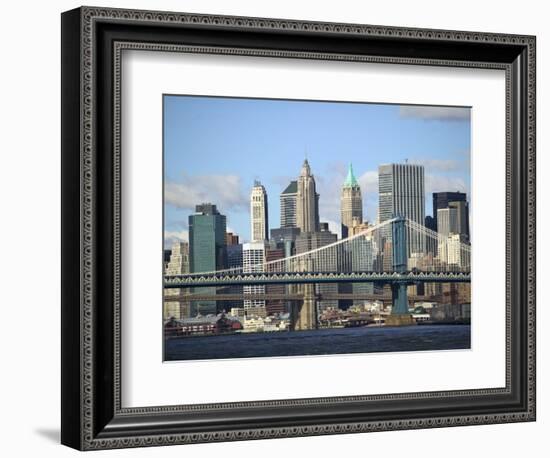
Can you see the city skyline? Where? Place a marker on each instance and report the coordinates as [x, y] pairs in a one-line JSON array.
[[224, 182]]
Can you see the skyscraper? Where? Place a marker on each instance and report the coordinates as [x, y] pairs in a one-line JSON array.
[[177, 265], [307, 201], [463, 218], [234, 261], [401, 193], [457, 200], [231, 239], [207, 231], [259, 227], [253, 261], [288, 205], [447, 221], [351, 203]]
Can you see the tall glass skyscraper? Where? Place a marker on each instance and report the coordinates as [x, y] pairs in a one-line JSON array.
[[207, 231], [401, 193]]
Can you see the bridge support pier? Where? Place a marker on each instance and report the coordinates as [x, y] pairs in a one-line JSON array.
[[400, 315], [305, 317], [400, 305]]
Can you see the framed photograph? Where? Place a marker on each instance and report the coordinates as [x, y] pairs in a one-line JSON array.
[[278, 228]]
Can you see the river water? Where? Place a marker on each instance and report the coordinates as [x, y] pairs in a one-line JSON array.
[[320, 342]]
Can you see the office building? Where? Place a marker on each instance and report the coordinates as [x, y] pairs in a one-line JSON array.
[[178, 264], [401, 193], [253, 261], [207, 229], [457, 200], [231, 239], [234, 261], [259, 226], [351, 203], [307, 201], [447, 221], [288, 205]]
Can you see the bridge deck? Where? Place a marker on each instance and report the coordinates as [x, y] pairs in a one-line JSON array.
[[267, 278]]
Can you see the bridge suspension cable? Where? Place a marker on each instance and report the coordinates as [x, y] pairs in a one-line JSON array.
[[369, 251]]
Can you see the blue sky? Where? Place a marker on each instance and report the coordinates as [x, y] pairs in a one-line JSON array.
[[215, 147]]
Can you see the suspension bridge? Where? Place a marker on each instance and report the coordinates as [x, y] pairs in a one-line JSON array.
[[398, 252]]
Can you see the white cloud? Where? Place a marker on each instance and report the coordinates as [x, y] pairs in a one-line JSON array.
[[329, 187], [434, 113], [171, 237], [441, 165], [225, 191], [369, 182], [440, 183]]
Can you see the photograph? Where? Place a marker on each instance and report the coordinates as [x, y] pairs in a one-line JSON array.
[[314, 227], [267, 220]]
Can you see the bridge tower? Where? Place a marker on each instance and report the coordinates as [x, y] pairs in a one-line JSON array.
[[400, 304], [304, 313], [305, 317]]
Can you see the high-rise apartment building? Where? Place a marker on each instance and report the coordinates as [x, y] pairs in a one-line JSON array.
[[401, 193], [307, 201], [351, 203], [288, 205], [259, 227], [207, 253]]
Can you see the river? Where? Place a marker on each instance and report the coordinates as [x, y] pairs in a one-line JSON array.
[[319, 342]]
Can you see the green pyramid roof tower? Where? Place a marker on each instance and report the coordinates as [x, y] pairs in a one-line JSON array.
[[351, 181]]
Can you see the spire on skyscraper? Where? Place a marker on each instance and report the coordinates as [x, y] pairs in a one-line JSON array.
[[307, 201], [306, 170], [351, 203], [350, 181]]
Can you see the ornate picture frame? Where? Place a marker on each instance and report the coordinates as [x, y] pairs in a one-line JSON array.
[[93, 416]]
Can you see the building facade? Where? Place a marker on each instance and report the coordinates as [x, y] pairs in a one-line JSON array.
[[207, 232], [253, 261], [259, 226], [401, 193], [307, 201], [351, 203], [234, 261], [447, 221], [288, 205], [457, 200], [231, 239], [178, 264]]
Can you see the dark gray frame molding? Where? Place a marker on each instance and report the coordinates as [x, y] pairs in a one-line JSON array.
[[93, 40]]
